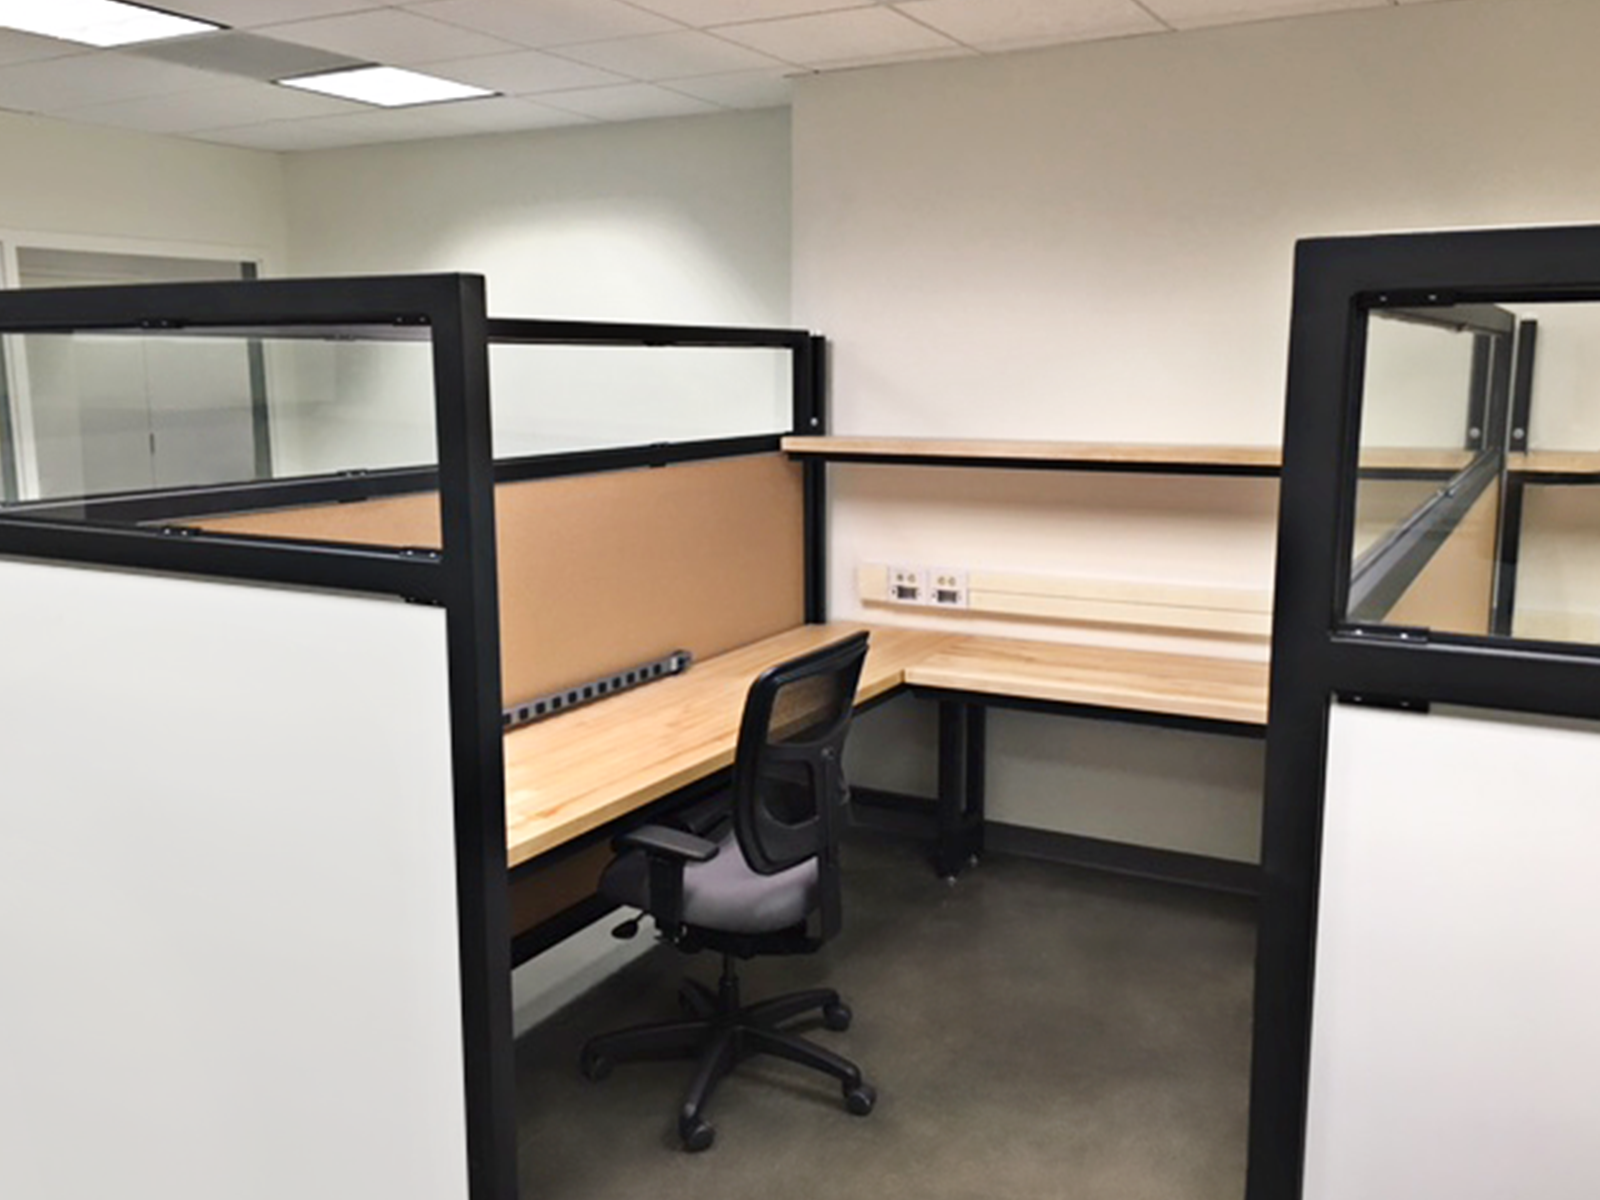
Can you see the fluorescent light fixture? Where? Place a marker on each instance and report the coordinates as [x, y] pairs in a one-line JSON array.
[[390, 87], [97, 22]]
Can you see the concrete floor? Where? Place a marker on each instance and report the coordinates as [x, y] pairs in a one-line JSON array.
[[1034, 1032]]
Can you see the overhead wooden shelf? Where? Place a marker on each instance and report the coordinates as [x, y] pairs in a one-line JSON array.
[[1555, 462], [1405, 458], [1121, 456], [1075, 456]]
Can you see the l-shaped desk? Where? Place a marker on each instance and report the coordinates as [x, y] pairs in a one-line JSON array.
[[572, 779]]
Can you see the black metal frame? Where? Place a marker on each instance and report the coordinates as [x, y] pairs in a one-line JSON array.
[[1079, 465], [134, 531], [1318, 656]]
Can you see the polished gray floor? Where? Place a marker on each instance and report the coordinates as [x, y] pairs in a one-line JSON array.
[[1034, 1031]]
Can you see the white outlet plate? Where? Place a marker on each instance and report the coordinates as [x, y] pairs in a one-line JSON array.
[[947, 587], [908, 585]]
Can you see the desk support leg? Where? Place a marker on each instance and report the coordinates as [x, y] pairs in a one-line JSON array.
[[961, 784]]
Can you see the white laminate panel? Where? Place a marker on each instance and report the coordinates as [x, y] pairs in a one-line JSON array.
[[228, 953], [1455, 1047]]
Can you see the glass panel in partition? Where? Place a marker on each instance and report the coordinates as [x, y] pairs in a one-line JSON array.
[[133, 411], [180, 427], [1478, 495], [554, 398], [54, 267]]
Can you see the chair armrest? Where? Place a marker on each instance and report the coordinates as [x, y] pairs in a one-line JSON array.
[[673, 843]]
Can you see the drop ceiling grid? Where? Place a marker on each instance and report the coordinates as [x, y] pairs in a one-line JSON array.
[[555, 61]]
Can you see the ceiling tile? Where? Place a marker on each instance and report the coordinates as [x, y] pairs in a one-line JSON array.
[[505, 114], [1194, 14], [1008, 24], [701, 13], [188, 112], [740, 89], [522, 73], [246, 54], [627, 102], [389, 36], [248, 14], [96, 78], [838, 38], [17, 47], [680, 55], [549, 22]]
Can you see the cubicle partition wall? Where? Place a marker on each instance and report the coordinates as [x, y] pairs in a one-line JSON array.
[[1427, 942], [254, 897]]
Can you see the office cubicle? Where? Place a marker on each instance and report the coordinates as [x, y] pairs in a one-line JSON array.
[[253, 867], [1426, 945]]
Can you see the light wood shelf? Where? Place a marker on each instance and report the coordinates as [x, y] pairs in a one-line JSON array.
[[1149, 458], [1082, 456], [1555, 462]]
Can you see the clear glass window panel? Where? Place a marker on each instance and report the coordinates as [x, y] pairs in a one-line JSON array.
[[549, 399], [57, 266], [1486, 568], [1418, 379], [350, 405], [1415, 559], [121, 412]]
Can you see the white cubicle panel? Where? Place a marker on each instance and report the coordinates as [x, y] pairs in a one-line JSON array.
[[228, 953], [1455, 1046]]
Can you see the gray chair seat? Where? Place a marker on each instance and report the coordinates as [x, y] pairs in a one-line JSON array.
[[724, 892]]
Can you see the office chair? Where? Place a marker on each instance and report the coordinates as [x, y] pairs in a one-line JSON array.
[[767, 883]]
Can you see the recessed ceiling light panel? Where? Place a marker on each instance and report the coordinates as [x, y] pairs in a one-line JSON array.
[[389, 87], [97, 22]]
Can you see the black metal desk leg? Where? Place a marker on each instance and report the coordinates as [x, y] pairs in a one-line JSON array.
[[961, 785]]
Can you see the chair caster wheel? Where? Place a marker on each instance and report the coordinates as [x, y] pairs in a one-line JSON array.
[[860, 1099], [836, 1016], [695, 1135], [594, 1067]]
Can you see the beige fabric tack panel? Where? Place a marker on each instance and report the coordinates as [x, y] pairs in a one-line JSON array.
[[601, 572], [1455, 591]]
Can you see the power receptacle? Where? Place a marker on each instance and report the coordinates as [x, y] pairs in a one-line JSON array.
[[908, 585], [947, 587]]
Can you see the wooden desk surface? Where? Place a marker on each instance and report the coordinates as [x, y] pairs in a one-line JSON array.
[[572, 774], [575, 773], [1185, 685]]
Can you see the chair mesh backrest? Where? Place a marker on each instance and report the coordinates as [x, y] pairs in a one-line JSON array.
[[788, 780]]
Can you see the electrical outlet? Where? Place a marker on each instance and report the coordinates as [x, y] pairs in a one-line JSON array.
[[908, 585], [947, 587]]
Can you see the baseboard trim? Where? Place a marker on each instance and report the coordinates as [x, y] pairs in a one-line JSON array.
[[907, 815], [1125, 858]]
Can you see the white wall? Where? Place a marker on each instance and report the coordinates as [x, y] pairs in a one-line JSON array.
[[78, 181], [673, 221], [683, 220], [1095, 242]]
